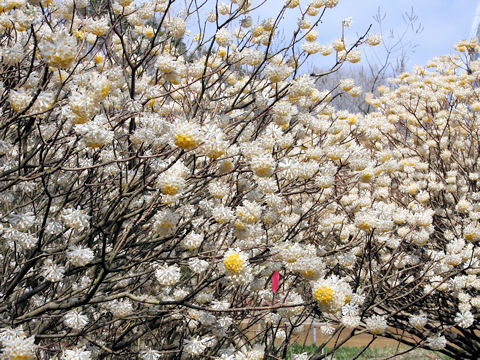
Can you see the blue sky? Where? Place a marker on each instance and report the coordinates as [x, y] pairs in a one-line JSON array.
[[444, 22]]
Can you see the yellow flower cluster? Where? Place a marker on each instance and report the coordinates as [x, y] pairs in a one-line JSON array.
[[324, 294], [233, 262]]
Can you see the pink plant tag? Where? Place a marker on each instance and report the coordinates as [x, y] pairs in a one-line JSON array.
[[275, 280]]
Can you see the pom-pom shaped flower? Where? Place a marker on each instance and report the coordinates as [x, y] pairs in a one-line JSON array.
[[277, 73], [75, 320], [187, 135], [192, 241], [79, 256], [101, 86], [347, 84], [350, 316], [95, 133], [120, 308], [22, 221], [249, 212], [465, 319], [326, 50], [166, 63], [198, 265], [354, 56], [313, 47], [292, 3], [374, 39], [59, 50], [331, 293], [218, 189], [324, 294], [365, 221], [436, 342], [176, 27], [171, 183], [19, 99], [52, 272], [168, 275], [222, 214], [331, 3], [338, 45], [223, 37], [16, 345], [302, 86], [304, 23], [76, 354], [263, 165], [165, 222], [82, 106], [197, 346], [150, 354], [214, 145], [12, 55], [471, 232], [97, 27], [234, 261], [223, 8], [75, 218], [376, 324], [312, 35]]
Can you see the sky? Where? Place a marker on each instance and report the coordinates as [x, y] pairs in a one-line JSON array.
[[438, 25], [442, 24]]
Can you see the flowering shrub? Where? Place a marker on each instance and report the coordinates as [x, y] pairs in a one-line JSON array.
[[151, 183]]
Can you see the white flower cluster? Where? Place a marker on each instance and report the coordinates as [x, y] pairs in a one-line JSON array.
[[75, 218], [76, 354], [75, 320], [196, 346], [168, 275], [95, 133], [16, 344], [59, 50], [52, 272], [79, 256]]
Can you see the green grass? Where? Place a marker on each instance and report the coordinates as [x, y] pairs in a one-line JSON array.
[[344, 352], [348, 353]]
